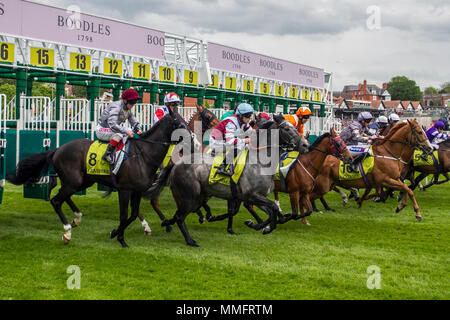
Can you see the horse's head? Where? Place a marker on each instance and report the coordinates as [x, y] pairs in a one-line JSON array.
[[338, 147], [418, 137], [209, 119], [289, 137]]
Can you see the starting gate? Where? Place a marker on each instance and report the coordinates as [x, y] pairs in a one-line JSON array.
[[2, 144], [34, 137]]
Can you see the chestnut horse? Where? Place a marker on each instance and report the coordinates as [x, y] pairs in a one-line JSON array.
[[301, 179], [391, 155]]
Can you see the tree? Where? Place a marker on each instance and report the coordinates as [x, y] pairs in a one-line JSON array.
[[9, 90], [430, 90], [445, 87], [401, 88]]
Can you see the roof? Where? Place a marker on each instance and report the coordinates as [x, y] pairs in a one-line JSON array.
[[371, 87], [416, 104], [375, 104], [405, 104], [350, 87], [393, 104]]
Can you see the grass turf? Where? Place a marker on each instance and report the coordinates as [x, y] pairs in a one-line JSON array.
[[327, 260]]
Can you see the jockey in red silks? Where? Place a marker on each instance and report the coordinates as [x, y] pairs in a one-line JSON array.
[[109, 125]]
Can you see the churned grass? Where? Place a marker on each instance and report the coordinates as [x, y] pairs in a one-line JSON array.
[[328, 260]]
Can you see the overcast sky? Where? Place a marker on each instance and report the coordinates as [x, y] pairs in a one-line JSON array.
[[347, 38]]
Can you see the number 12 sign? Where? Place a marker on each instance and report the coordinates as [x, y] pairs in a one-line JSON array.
[[112, 67]]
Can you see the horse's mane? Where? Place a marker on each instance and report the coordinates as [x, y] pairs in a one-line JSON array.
[[391, 132], [319, 140], [445, 143], [152, 129]]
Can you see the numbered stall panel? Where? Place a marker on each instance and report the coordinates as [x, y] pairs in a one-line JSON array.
[[141, 70], [215, 81], [306, 94], [293, 93], [249, 86], [42, 57], [6, 52], [230, 83], [317, 96], [190, 77], [80, 62], [112, 67], [279, 91], [166, 74], [264, 88]]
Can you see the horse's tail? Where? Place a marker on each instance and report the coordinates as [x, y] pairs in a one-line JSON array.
[[159, 183], [30, 169]]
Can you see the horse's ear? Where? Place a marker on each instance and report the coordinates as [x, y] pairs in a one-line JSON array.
[[199, 108], [278, 118], [333, 133], [307, 135]]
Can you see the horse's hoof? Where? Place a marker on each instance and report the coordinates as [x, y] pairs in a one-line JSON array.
[[296, 217], [193, 244], [267, 230], [123, 243], [65, 240], [320, 212], [148, 233], [419, 219], [230, 231], [74, 224], [201, 220], [306, 223], [397, 210], [344, 202], [113, 234], [165, 223], [249, 223]]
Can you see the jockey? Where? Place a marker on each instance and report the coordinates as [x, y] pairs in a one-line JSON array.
[[228, 133], [435, 134], [299, 119], [172, 101], [382, 123], [393, 119], [356, 137], [109, 125]]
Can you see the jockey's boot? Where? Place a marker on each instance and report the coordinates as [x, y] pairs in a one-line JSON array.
[[353, 166], [222, 169], [108, 156]]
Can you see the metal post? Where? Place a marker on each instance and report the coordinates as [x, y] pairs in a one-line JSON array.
[[153, 93], [93, 90], [30, 81], [200, 96], [285, 106], [60, 88], [219, 101], [116, 92], [21, 87]]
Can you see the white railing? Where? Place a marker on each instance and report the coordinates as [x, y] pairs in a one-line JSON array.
[[219, 112], [2, 138], [143, 112], [74, 115], [187, 112], [11, 110], [35, 113]]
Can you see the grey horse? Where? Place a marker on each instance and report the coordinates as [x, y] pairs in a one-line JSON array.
[[190, 186]]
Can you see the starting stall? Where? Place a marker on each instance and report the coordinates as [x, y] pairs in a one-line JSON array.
[[2, 144], [34, 137]]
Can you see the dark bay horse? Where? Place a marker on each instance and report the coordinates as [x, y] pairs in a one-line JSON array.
[[208, 120], [191, 189], [134, 177], [391, 155]]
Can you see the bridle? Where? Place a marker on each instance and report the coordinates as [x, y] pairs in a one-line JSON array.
[[337, 148]]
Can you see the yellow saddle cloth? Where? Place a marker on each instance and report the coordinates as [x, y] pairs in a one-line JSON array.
[[285, 164], [239, 165], [95, 165], [346, 174], [419, 161], [167, 157]]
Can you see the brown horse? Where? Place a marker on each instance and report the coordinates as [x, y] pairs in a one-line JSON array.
[[208, 121], [391, 155], [301, 179]]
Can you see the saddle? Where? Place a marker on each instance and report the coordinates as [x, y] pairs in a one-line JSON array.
[[95, 165], [236, 169]]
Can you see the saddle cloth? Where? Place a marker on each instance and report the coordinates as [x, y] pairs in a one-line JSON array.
[[286, 161], [166, 158], [345, 172], [238, 164], [418, 159], [95, 165]]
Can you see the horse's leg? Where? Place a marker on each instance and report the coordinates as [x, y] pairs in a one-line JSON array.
[[325, 204], [208, 211], [397, 184], [414, 183], [364, 197], [267, 206], [305, 206], [314, 207], [250, 223], [447, 178], [77, 220], [342, 194], [144, 224], [277, 201], [180, 217], [124, 200], [201, 218], [294, 198], [155, 205], [135, 201], [233, 209], [63, 194]]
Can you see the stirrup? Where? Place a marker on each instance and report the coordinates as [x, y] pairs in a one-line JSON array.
[[221, 170]]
